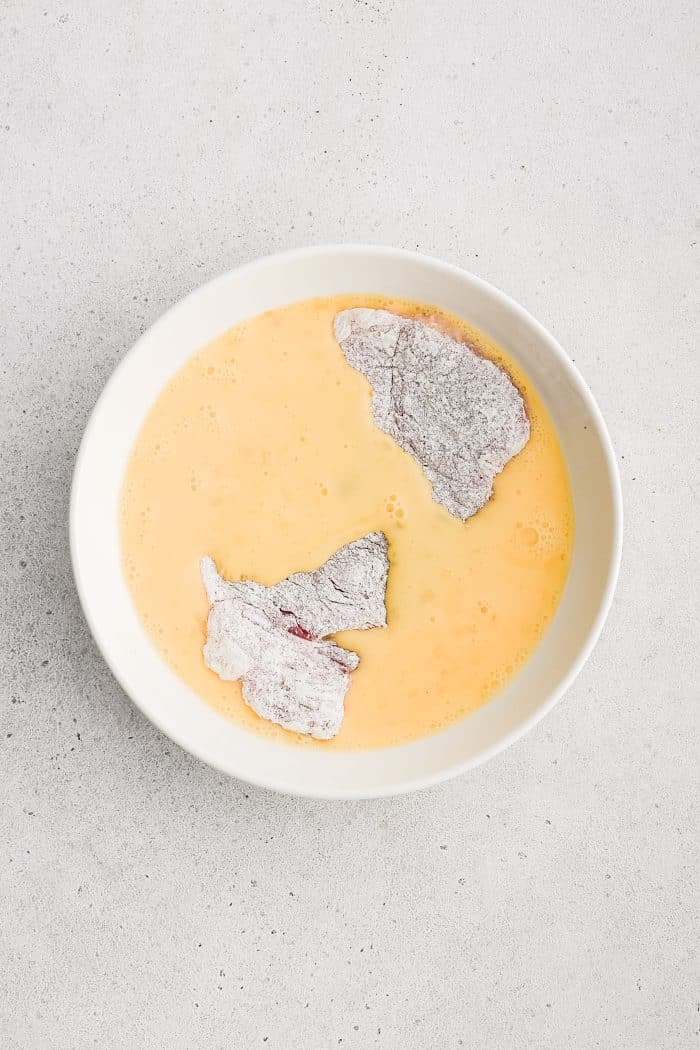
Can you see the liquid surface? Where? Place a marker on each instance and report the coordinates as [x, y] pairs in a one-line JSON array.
[[262, 453]]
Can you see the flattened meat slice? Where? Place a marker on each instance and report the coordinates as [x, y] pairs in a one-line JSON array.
[[458, 414], [272, 637]]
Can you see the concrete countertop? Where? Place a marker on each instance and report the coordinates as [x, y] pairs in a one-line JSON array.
[[548, 899]]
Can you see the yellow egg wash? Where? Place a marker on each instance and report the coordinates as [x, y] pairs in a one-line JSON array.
[[262, 452]]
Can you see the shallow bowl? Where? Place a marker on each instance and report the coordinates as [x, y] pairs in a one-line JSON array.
[[114, 425]]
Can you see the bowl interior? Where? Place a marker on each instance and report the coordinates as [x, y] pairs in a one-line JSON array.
[[272, 282]]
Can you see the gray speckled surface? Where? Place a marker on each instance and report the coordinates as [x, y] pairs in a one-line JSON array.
[[547, 900]]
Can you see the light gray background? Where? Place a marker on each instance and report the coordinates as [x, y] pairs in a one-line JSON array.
[[546, 900]]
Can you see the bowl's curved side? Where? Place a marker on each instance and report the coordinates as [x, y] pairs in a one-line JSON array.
[[95, 544]]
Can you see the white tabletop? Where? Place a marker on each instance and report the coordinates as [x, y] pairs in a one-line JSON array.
[[545, 900]]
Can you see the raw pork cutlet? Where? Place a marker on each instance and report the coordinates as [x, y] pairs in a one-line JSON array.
[[458, 414], [273, 637]]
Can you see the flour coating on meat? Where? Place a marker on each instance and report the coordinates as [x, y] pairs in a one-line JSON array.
[[458, 414], [272, 637]]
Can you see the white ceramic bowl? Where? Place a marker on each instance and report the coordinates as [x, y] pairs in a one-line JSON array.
[[116, 420]]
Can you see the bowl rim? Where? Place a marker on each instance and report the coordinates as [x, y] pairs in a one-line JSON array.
[[456, 768]]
